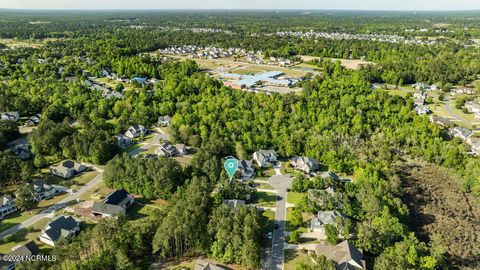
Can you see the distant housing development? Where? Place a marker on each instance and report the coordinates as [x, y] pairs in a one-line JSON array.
[[248, 81]]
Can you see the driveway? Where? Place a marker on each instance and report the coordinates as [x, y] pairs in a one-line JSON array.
[[455, 116], [281, 183]]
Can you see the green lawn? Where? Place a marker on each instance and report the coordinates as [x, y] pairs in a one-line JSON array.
[[14, 219], [24, 236], [293, 257], [131, 148], [264, 186], [266, 199], [294, 197], [78, 182]]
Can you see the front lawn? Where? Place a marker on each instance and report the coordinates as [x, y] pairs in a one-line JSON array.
[[294, 197], [23, 236], [266, 199], [14, 219]]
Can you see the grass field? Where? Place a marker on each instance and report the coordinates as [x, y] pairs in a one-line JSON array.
[[14, 219], [294, 197]]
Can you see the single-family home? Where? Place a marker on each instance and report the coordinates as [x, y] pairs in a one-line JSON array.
[[59, 228], [204, 265], [140, 80], [345, 254], [473, 107], [181, 149], [422, 110], [463, 90], [33, 121], [23, 151], [10, 116], [43, 191], [247, 169], [136, 131], [419, 101], [441, 121], [166, 149], [7, 206], [164, 120], [67, 169], [317, 224], [27, 250], [116, 203], [305, 164], [460, 132], [474, 143], [234, 203], [123, 141], [263, 158]]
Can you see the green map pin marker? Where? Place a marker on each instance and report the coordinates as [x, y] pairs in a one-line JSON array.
[[230, 166]]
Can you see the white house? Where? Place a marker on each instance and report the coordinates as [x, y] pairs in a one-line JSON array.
[[136, 131], [317, 224], [61, 227], [263, 158], [164, 120], [460, 132], [7, 206], [305, 164]]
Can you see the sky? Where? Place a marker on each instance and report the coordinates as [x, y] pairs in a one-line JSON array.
[[246, 4]]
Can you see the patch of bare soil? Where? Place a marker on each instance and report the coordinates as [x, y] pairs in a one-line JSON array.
[[438, 206]]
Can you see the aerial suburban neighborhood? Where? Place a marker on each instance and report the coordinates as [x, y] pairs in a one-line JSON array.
[[279, 136]]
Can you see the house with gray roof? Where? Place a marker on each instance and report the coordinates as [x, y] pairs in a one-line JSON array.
[[7, 206], [29, 249], [116, 203], [123, 141], [460, 132], [23, 151], [441, 121], [34, 120], [247, 169], [263, 158], [10, 116], [67, 169], [305, 164], [317, 224], [234, 203], [59, 228], [345, 254], [204, 265], [136, 131], [164, 121], [43, 191]]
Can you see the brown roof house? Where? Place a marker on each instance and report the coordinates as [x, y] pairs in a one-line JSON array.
[[345, 254]]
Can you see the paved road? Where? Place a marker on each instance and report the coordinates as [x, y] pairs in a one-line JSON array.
[[281, 183], [49, 212], [144, 147], [453, 115]]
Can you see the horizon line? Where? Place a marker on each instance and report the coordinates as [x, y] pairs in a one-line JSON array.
[[234, 9]]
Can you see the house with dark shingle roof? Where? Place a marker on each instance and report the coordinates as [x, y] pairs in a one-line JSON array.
[[247, 169], [345, 254], [29, 249], [116, 203], [59, 228], [11, 116], [460, 132]]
